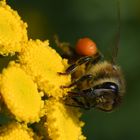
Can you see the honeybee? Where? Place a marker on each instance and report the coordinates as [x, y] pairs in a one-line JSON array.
[[96, 83]]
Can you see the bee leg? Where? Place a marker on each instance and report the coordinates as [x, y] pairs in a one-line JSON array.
[[83, 78], [78, 103], [82, 60], [82, 106], [65, 47], [74, 66]]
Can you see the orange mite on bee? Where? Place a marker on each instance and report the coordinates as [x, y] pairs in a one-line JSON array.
[[85, 46]]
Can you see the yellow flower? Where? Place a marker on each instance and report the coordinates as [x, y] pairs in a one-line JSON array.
[[20, 94], [31, 80], [63, 121], [12, 30], [43, 64], [15, 131]]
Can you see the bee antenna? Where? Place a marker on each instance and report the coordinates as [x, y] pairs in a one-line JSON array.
[[117, 36]]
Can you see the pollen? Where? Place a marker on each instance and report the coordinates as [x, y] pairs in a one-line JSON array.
[[43, 63], [20, 94], [63, 122], [32, 89], [13, 31], [15, 131]]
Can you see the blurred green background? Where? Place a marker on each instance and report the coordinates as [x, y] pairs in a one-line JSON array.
[[72, 19]]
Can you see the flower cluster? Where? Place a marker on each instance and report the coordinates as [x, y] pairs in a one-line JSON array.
[[31, 100]]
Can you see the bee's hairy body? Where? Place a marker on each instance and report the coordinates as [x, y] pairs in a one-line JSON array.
[[95, 83], [102, 86], [102, 72]]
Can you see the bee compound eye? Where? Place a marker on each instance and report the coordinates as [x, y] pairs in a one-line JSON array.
[[111, 85], [108, 85]]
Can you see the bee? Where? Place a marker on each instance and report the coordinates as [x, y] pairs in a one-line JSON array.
[[96, 82]]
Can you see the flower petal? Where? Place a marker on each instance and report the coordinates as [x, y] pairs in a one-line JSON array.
[[43, 63], [63, 121], [20, 94], [15, 131], [13, 31]]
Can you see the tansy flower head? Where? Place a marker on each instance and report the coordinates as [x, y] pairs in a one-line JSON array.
[[68, 126], [43, 64], [29, 81], [12, 30], [15, 131], [20, 94]]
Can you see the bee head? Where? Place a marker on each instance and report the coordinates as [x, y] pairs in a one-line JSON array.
[[107, 96]]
